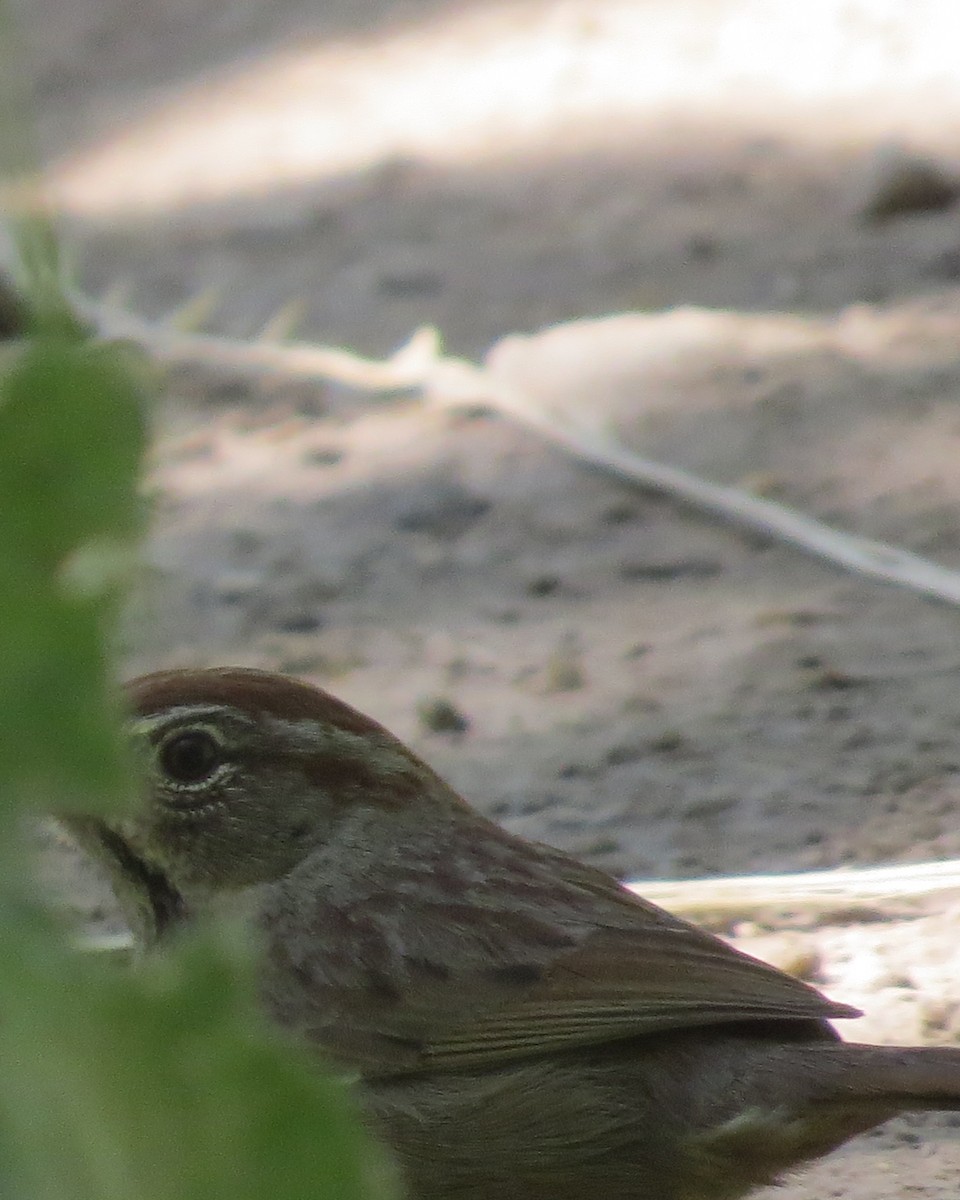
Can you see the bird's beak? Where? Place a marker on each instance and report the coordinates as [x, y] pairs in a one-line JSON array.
[[151, 905]]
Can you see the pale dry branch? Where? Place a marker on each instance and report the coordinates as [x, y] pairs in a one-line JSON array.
[[421, 366], [262, 359], [847, 891]]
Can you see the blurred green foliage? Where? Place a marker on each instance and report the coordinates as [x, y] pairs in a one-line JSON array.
[[70, 446], [159, 1083]]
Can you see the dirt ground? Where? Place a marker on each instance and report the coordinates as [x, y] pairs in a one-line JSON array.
[[592, 664]]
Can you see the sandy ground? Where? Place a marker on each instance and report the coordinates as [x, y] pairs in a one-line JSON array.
[[656, 692]]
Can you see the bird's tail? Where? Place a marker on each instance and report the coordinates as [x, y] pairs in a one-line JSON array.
[[904, 1078]]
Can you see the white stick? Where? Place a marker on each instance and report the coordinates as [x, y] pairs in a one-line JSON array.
[[848, 889], [451, 382]]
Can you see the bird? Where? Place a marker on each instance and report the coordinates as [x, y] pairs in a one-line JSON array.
[[518, 1023]]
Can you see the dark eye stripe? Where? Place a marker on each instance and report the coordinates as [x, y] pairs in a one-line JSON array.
[[166, 904]]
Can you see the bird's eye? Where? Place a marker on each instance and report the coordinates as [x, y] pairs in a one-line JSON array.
[[189, 757]]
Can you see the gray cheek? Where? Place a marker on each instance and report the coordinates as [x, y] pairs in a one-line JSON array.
[[187, 839]]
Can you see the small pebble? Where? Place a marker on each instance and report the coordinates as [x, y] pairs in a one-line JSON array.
[[440, 715], [899, 182]]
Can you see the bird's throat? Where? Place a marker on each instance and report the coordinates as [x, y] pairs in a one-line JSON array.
[[149, 901]]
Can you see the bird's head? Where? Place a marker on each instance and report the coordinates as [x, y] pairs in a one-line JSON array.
[[245, 774]]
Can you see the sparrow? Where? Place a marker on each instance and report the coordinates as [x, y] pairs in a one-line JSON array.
[[519, 1024]]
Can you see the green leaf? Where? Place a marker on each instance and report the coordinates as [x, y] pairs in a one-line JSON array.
[[71, 441], [161, 1083], [72, 436], [163, 1086]]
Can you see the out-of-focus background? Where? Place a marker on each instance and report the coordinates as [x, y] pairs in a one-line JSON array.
[[591, 664]]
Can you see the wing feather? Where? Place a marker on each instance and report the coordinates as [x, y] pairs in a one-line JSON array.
[[641, 981], [595, 964]]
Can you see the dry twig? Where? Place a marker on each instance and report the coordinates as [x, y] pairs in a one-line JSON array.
[[847, 891], [421, 366]]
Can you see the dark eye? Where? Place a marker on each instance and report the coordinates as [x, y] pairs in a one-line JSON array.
[[189, 757]]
